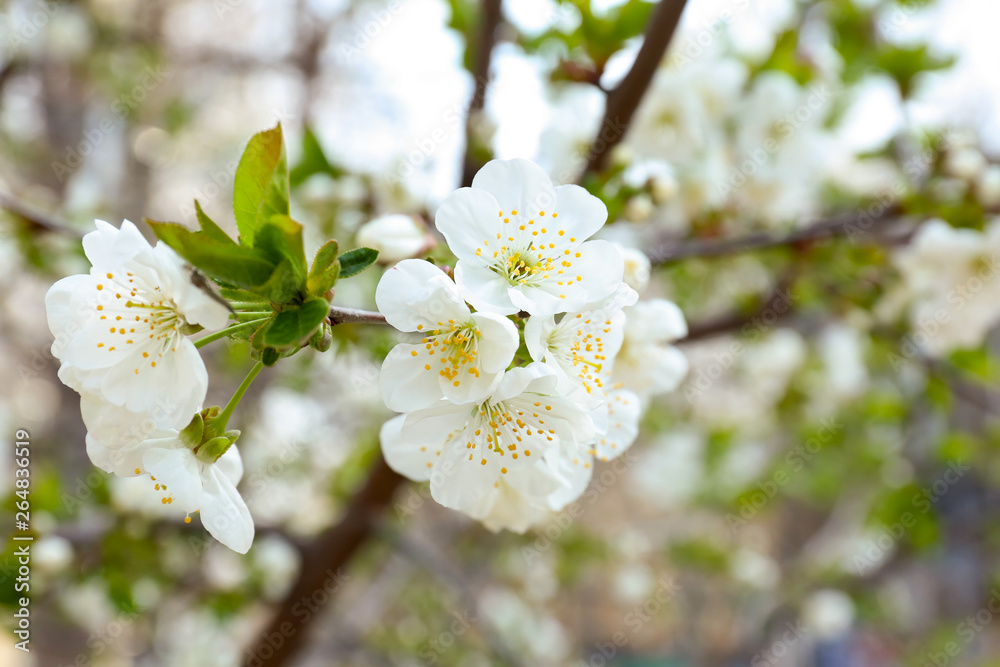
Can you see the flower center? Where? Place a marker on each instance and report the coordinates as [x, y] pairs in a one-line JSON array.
[[456, 346]]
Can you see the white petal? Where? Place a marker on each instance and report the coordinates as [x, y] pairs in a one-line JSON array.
[[536, 333], [405, 382], [178, 469], [223, 511], [581, 214], [459, 483], [545, 299], [600, 268], [517, 185], [624, 410], [498, 341], [655, 320], [574, 471], [409, 459], [536, 377], [230, 464], [467, 218], [483, 288], [65, 316], [416, 294], [432, 426], [193, 303], [110, 247]]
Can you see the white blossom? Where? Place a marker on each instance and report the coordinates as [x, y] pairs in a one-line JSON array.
[[647, 364], [120, 330], [462, 356], [952, 278], [522, 243], [130, 444], [518, 435], [396, 237]]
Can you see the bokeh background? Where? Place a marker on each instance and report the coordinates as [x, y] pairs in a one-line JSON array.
[[822, 491]]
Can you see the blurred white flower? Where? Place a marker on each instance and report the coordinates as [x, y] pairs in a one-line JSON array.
[[522, 243], [988, 186], [842, 350], [396, 237], [52, 553], [462, 356], [120, 330], [830, 613], [953, 280], [637, 267], [647, 364]]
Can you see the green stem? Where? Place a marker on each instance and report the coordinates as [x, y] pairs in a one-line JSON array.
[[222, 333], [222, 420], [238, 305]]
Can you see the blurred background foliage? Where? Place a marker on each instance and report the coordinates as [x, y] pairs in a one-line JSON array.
[[820, 492]]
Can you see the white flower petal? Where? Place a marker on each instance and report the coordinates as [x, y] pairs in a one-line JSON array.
[[223, 511], [583, 213], [624, 410], [484, 289], [405, 381], [415, 295], [458, 482], [517, 185], [498, 342], [404, 456], [467, 218], [179, 470]]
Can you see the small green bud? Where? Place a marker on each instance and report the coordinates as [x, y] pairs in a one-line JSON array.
[[322, 338], [192, 433], [270, 356], [209, 452]]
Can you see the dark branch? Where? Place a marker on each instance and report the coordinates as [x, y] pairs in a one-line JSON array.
[[624, 100], [481, 75], [854, 225], [322, 573], [354, 316], [37, 220]]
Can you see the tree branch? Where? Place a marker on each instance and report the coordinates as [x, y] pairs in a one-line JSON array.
[[353, 316], [844, 225], [481, 75], [321, 574], [38, 221], [625, 99]]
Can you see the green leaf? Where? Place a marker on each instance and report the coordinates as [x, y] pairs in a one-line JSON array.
[[284, 286], [209, 228], [313, 160], [325, 270], [355, 261], [226, 262], [261, 184], [294, 325], [280, 239]]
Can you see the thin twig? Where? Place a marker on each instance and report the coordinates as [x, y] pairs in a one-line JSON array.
[[625, 98], [353, 316], [36, 219], [481, 76], [844, 225]]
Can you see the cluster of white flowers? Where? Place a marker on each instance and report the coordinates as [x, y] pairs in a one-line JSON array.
[[121, 335], [952, 282], [735, 146], [507, 406]]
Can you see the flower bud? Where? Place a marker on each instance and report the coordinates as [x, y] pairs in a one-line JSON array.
[[396, 237]]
